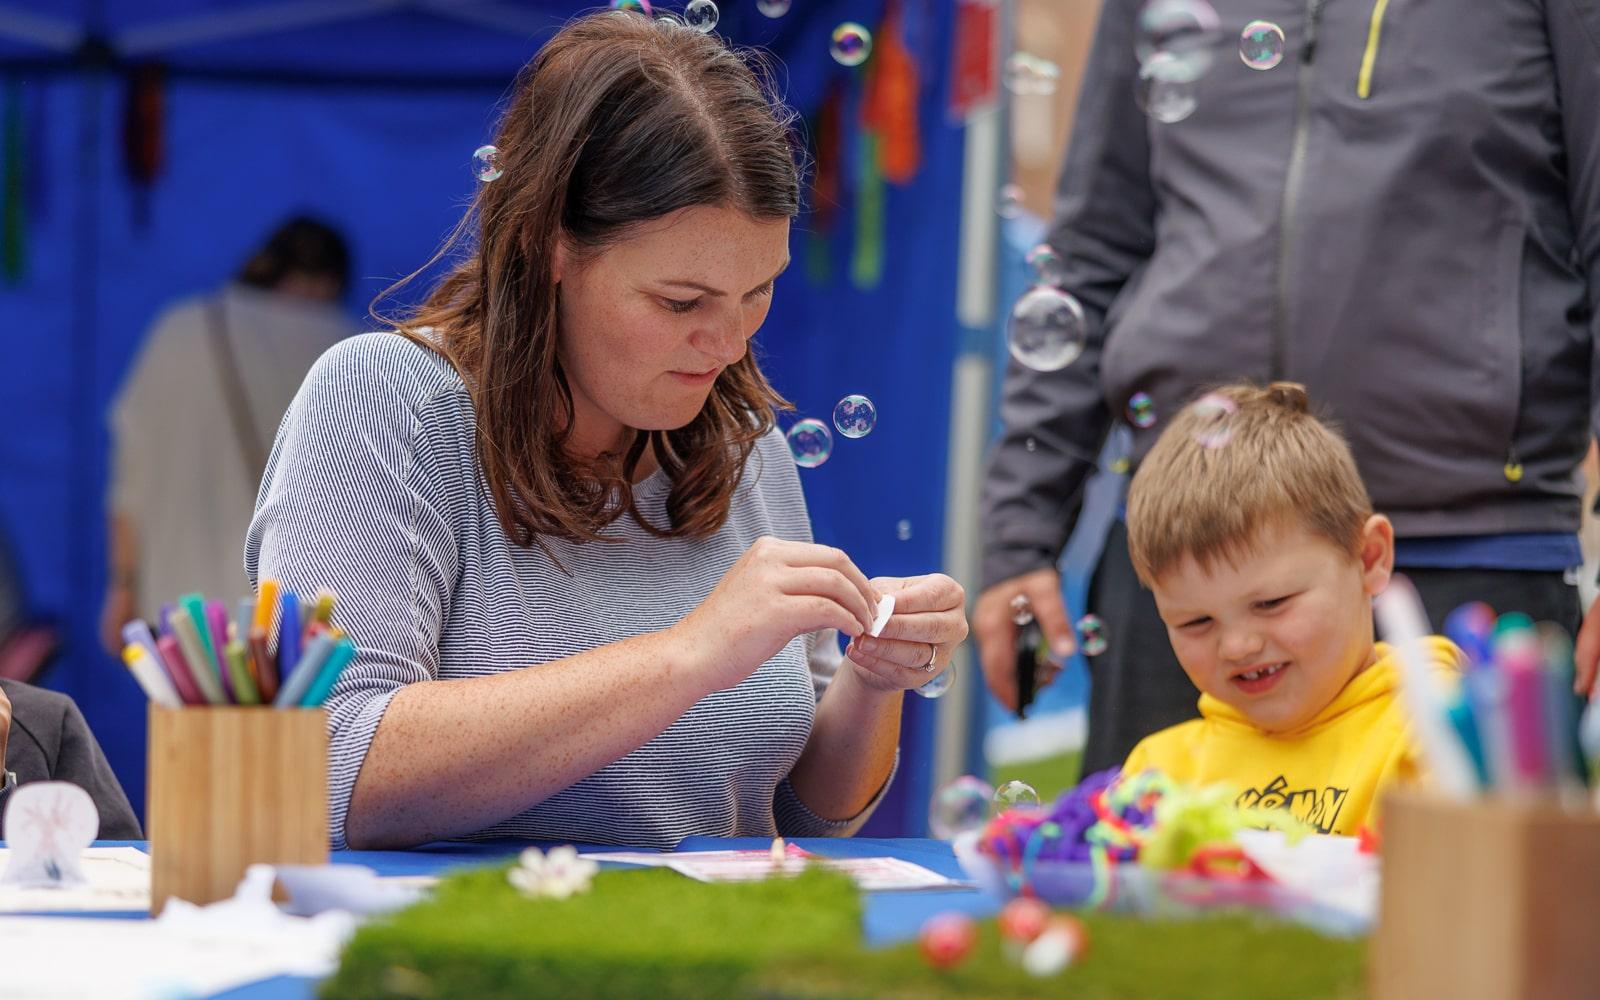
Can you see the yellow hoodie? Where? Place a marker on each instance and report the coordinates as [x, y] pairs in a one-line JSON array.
[[1329, 772]]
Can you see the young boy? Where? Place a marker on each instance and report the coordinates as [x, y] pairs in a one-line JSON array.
[[1251, 526]]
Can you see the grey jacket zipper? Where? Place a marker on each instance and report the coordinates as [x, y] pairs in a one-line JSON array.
[[1291, 190]]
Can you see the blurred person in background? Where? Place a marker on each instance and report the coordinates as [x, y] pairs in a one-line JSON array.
[[1400, 209], [193, 423]]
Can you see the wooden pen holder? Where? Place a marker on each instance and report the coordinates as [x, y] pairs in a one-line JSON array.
[[231, 787], [1487, 900]]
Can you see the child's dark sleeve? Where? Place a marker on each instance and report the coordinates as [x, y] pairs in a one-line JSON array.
[[80, 761]]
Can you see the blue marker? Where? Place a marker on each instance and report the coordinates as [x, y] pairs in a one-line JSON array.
[[343, 652], [299, 680], [288, 635]]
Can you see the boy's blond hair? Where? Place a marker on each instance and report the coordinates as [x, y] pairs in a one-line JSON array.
[[1239, 459]]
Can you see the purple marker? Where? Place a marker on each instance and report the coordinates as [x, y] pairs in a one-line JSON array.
[[217, 623]]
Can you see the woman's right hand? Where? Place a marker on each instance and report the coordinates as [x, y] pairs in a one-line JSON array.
[[777, 590]]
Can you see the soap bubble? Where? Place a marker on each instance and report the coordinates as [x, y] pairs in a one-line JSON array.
[[937, 687], [1021, 611], [902, 530], [851, 44], [855, 416], [1047, 329], [1047, 266], [1031, 444], [1010, 205], [701, 15], [634, 6], [1165, 101], [810, 442], [1214, 414], [1028, 75], [1180, 37], [1013, 794], [1120, 464], [486, 163], [1141, 411], [1092, 639], [960, 807], [772, 8], [1261, 45]]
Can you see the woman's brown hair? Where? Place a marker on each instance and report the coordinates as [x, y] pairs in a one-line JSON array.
[[618, 120]]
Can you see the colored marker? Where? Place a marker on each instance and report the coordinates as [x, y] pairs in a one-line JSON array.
[[194, 654], [243, 687], [343, 652], [323, 611], [1405, 626], [178, 669], [266, 669], [217, 623], [137, 633], [266, 604], [157, 687], [288, 634], [299, 680]]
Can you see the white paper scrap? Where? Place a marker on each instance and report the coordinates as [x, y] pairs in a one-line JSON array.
[[118, 881], [883, 614]]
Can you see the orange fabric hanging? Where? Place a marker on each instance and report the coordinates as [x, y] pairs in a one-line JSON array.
[[889, 106]]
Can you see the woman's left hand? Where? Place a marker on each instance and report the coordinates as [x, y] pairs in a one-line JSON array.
[[928, 623]]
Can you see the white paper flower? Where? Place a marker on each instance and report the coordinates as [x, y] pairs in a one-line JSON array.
[[556, 875]]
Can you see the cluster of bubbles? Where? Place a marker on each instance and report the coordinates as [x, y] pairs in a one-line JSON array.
[[851, 44], [1047, 329], [1176, 45], [967, 803], [811, 442], [1028, 75]]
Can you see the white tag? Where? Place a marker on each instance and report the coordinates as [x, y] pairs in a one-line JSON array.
[[881, 618], [47, 826]]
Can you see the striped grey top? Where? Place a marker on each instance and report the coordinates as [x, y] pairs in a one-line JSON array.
[[372, 490]]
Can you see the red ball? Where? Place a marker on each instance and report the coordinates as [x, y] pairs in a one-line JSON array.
[[1023, 918], [947, 939]]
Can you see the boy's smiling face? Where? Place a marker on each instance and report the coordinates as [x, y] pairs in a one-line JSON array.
[[1279, 630]]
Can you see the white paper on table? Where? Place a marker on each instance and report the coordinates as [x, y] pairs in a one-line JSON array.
[[119, 879], [654, 859], [870, 874], [1329, 870]]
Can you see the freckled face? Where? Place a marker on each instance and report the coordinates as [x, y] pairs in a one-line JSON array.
[[649, 324]]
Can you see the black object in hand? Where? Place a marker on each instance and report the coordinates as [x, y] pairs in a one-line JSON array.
[[1028, 638]]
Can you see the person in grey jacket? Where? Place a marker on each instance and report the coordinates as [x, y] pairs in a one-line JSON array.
[[1404, 216], [43, 737]]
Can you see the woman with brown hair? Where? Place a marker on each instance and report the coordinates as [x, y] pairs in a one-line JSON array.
[[563, 528]]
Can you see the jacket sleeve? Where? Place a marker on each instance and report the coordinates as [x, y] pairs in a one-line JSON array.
[[81, 761], [1574, 30], [1104, 232]]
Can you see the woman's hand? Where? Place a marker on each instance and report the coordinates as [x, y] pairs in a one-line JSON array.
[[777, 590], [928, 623]]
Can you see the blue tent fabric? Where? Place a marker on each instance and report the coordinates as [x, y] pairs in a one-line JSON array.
[[370, 123]]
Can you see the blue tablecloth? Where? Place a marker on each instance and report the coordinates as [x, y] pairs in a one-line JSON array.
[[889, 916]]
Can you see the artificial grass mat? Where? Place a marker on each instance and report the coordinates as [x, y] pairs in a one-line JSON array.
[[653, 934]]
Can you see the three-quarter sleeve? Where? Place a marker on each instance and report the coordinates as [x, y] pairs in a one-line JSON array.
[[353, 501]]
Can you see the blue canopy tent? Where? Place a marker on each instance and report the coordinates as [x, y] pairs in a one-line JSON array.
[[149, 145]]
